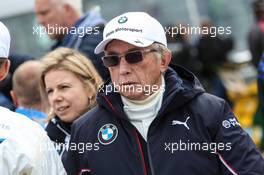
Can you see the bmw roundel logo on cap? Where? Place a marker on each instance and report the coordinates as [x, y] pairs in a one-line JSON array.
[[107, 134], [122, 19]]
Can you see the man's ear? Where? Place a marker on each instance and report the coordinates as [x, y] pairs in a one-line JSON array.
[[4, 69], [165, 61], [14, 98]]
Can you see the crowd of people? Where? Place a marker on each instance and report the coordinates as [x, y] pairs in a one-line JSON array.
[[115, 101]]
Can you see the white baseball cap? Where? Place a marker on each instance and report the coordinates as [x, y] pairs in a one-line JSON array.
[[136, 28], [4, 41]]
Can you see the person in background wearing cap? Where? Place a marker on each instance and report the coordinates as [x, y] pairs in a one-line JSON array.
[[150, 117], [24, 146]]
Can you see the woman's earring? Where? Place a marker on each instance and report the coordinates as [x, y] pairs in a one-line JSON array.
[[90, 99]]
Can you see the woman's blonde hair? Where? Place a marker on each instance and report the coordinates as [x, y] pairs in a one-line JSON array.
[[73, 61]]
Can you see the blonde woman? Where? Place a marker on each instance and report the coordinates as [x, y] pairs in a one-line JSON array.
[[70, 82]]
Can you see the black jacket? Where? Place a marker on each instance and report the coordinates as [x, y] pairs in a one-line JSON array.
[[59, 132], [181, 140]]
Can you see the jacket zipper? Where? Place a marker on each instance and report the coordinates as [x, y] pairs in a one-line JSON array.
[[138, 143], [141, 154], [150, 161]]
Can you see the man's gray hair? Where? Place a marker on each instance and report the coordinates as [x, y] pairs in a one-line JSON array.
[[160, 48], [76, 4]]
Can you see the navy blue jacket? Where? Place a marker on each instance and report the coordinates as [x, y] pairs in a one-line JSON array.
[[90, 33], [194, 133]]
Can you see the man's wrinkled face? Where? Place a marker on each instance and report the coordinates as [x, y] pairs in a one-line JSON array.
[[50, 15], [146, 73]]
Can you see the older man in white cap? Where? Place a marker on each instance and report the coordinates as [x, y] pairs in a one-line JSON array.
[[25, 148], [153, 119]]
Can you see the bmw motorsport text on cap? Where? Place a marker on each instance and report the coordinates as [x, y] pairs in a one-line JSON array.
[[4, 41], [136, 28]]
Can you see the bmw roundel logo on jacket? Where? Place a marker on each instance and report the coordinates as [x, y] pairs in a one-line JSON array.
[[107, 134]]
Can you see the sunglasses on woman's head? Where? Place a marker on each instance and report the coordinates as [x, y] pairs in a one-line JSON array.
[[131, 57]]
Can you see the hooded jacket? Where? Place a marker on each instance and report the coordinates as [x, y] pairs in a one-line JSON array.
[[193, 133]]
